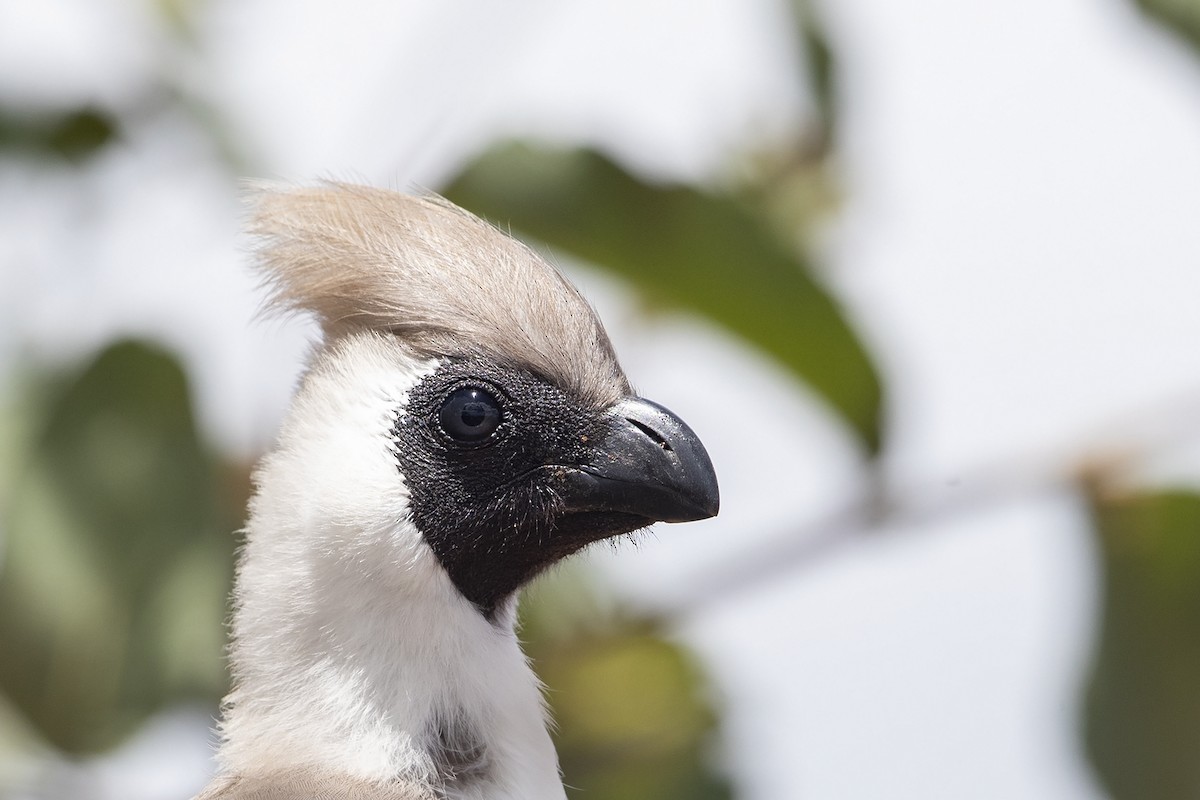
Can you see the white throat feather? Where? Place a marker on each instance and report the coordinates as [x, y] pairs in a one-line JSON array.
[[353, 652]]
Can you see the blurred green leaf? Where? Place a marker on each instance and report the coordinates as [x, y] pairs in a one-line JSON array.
[[1143, 702], [634, 712], [73, 136], [1181, 16], [703, 252], [117, 557]]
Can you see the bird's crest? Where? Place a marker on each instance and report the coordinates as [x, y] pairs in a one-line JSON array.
[[443, 280]]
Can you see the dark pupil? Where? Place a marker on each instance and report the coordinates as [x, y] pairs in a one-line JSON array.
[[473, 414], [469, 414]]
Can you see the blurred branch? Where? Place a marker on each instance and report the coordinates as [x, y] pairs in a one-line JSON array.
[[1106, 470]]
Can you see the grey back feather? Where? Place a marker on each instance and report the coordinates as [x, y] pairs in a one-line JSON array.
[[445, 281]]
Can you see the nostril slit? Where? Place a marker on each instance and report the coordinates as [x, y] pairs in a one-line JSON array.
[[650, 432]]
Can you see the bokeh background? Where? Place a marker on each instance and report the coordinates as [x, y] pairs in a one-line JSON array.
[[922, 275]]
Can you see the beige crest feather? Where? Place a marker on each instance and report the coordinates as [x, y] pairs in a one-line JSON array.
[[423, 269]]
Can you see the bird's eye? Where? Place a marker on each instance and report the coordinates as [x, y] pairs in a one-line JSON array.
[[469, 415]]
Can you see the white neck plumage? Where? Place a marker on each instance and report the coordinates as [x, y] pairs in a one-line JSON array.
[[437, 698], [353, 652]]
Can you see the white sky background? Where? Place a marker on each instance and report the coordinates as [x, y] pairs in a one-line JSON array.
[[1019, 247]]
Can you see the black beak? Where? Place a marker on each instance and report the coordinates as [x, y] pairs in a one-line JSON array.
[[649, 464]]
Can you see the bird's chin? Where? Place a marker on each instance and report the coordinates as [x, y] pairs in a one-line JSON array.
[[592, 526], [572, 532], [488, 578]]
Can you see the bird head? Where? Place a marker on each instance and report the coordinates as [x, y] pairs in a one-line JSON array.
[[491, 392]]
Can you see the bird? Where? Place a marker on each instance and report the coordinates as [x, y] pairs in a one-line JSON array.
[[461, 425]]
